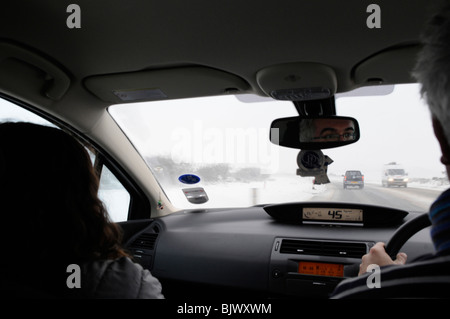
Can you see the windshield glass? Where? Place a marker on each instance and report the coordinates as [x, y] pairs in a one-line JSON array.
[[395, 172], [221, 145]]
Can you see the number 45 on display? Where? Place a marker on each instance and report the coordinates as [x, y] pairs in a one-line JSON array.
[[335, 214]]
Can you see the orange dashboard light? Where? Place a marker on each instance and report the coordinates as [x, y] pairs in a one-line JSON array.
[[320, 269]]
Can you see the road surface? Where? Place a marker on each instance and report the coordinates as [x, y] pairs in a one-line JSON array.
[[409, 198]]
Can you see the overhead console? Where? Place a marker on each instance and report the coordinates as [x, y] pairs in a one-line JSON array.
[[343, 214], [298, 81]]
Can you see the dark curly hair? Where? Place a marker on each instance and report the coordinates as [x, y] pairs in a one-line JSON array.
[[50, 208]]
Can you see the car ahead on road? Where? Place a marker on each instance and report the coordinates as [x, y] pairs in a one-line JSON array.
[[208, 123], [394, 174], [353, 179]]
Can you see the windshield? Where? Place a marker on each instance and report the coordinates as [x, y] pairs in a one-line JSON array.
[[395, 172], [354, 173], [218, 148]]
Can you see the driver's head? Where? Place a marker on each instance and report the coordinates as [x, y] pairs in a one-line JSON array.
[[433, 73]]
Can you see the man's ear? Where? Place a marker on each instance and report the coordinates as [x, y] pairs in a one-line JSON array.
[[442, 139]]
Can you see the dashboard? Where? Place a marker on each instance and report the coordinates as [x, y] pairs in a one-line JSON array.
[[271, 251]]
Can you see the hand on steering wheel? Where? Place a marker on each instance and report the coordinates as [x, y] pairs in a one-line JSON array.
[[400, 237], [378, 256], [405, 232]]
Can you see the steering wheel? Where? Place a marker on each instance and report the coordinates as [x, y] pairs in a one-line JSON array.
[[405, 232], [400, 237]]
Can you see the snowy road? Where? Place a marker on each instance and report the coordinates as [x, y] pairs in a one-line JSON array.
[[290, 189], [410, 198]]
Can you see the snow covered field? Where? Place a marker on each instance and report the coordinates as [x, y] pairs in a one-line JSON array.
[[275, 189]]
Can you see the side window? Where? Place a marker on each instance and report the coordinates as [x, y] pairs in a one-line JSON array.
[[113, 194], [10, 112]]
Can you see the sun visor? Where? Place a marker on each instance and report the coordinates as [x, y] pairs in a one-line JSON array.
[[298, 81], [173, 83], [388, 67]]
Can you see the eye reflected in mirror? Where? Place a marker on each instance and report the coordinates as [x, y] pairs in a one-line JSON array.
[[326, 130], [314, 133]]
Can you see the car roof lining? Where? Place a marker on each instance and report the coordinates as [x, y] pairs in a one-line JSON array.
[[237, 39], [40, 78]]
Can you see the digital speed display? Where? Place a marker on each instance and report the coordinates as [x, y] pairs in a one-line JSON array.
[[333, 215], [320, 269]]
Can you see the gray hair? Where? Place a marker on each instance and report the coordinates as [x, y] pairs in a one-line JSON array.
[[432, 69]]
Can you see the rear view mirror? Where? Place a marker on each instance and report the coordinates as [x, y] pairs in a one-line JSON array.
[[314, 133]]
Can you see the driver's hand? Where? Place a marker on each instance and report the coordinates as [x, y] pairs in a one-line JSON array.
[[378, 256]]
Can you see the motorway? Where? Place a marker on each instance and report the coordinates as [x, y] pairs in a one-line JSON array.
[[409, 198]]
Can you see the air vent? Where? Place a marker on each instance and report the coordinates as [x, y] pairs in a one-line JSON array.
[[323, 248], [144, 241]]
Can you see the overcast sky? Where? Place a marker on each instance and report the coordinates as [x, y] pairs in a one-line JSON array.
[[394, 128]]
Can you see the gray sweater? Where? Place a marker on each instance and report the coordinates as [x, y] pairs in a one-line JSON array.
[[119, 279]]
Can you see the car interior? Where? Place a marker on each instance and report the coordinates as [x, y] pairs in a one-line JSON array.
[[166, 94]]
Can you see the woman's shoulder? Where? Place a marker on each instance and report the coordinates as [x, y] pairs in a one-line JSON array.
[[118, 278]]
